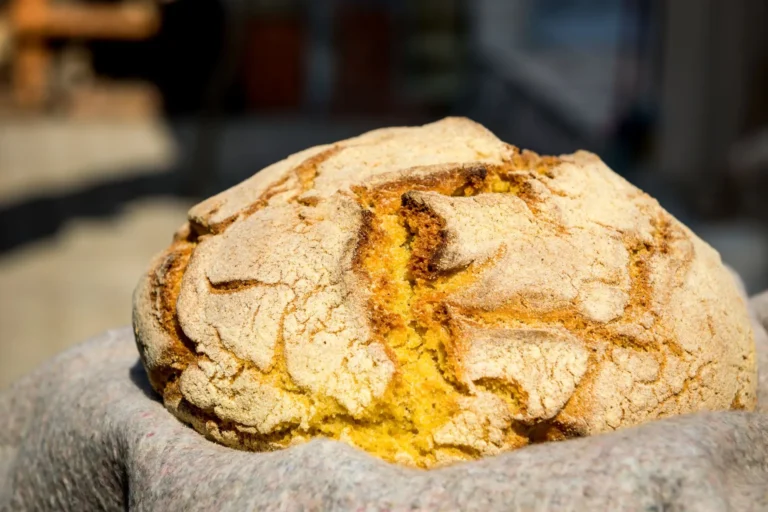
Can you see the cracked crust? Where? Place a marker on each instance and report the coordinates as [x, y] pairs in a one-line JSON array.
[[433, 294]]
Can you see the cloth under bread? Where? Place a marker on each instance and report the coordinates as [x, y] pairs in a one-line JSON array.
[[86, 432]]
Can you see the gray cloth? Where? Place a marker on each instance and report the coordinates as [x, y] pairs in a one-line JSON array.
[[86, 432]]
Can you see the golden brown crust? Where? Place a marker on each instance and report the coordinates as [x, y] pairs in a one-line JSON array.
[[433, 294], [164, 348]]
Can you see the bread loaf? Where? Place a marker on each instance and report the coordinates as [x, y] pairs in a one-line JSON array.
[[433, 294]]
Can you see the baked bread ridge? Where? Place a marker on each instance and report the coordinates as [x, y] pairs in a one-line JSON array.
[[431, 294]]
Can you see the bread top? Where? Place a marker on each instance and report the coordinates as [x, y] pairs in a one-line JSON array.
[[433, 294]]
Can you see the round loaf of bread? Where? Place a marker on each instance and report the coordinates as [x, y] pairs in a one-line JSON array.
[[433, 294]]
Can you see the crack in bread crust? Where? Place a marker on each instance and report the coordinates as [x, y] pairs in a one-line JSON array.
[[432, 295]]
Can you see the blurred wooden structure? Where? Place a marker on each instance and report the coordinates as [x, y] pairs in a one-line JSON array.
[[35, 22]]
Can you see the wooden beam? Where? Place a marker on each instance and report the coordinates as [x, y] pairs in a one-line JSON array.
[[123, 21]]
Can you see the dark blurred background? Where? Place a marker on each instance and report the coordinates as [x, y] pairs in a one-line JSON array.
[[116, 116]]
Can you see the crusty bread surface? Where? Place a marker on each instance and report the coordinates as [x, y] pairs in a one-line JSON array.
[[432, 294]]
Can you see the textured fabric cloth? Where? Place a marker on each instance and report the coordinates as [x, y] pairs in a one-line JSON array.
[[86, 432]]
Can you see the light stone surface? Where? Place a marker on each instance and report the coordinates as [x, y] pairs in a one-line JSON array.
[[40, 156], [56, 292]]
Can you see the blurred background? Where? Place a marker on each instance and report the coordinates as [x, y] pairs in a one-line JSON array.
[[116, 116]]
